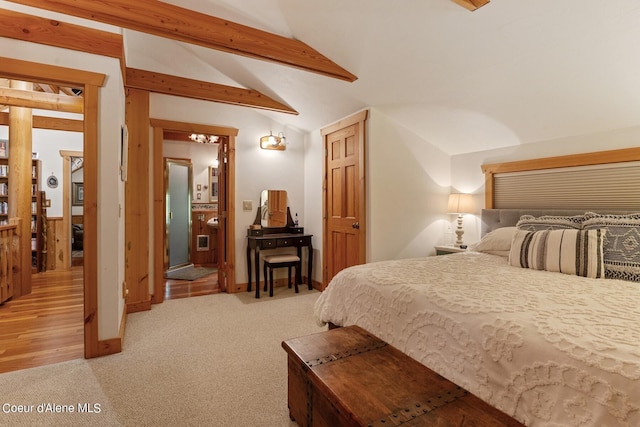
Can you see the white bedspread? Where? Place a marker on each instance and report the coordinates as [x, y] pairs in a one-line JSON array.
[[549, 349]]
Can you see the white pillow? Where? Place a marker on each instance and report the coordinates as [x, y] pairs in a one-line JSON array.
[[497, 242]]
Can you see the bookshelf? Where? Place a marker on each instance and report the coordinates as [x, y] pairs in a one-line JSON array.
[[37, 209]]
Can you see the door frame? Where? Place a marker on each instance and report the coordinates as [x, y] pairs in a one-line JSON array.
[[91, 82], [360, 119], [159, 127], [66, 205]]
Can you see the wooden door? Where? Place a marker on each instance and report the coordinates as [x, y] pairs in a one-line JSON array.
[[344, 231], [223, 211]]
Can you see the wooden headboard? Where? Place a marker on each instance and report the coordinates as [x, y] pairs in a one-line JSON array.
[[549, 163]]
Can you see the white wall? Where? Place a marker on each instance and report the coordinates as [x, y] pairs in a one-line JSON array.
[[466, 170], [407, 185], [110, 188], [256, 169]]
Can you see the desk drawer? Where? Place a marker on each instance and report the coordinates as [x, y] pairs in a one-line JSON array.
[[293, 241], [268, 243]]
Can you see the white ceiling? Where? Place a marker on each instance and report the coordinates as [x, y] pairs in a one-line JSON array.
[[512, 72]]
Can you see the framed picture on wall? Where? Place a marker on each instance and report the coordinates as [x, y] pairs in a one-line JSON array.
[[4, 148], [77, 193]]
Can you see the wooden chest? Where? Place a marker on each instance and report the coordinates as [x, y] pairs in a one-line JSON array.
[[348, 377]]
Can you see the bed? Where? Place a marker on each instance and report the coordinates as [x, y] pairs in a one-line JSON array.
[[547, 346]]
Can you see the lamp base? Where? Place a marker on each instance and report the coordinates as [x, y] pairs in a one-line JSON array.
[[459, 232]]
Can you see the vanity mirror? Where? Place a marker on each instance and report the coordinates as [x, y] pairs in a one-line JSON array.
[[273, 208]]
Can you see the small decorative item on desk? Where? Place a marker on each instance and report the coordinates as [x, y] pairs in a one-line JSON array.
[[446, 250], [295, 221]]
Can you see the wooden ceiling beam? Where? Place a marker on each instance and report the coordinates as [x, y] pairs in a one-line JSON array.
[[173, 22], [471, 4], [20, 26], [196, 89], [41, 100]]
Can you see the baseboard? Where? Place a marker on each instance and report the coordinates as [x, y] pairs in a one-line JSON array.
[[113, 345], [139, 306]]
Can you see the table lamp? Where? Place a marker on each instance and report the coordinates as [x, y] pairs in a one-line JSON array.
[[460, 204]]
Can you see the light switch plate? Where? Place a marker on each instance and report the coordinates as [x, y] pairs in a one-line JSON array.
[[247, 205]]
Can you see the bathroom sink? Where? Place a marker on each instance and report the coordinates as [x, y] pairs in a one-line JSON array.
[[213, 223]]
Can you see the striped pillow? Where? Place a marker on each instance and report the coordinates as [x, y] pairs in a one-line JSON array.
[[577, 252]]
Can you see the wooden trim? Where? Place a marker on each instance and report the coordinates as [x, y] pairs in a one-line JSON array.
[[136, 212], [158, 171], [20, 26], [231, 215], [123, 325], [196, 89], [571, 160], [138, 306], [176, 23], [64, 253], [471, 4], [114, 345], [24, 70], [71, 153], [109, 346], [168, 125], [360, 116], [51, 123], [158, 222], [44, 73], [93, 347]]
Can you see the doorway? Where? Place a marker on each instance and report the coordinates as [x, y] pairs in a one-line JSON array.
[[178, 214], [90, 83], [226, 210]]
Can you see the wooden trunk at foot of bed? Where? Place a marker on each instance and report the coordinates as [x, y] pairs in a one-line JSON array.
[[348, 377]]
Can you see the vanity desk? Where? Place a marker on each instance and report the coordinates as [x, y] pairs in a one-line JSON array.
[[264, 238]]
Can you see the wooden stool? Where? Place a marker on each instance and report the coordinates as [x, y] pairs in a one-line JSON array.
[[278, 261]]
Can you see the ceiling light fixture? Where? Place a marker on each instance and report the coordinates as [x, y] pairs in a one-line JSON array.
[[204, 139], [272, 142]]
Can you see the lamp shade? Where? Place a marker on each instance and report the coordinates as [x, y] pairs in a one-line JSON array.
[[460, 203]]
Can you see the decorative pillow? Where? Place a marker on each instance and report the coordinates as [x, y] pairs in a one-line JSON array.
[[497, 242], [577, 252], [549, 222], [621, 244]]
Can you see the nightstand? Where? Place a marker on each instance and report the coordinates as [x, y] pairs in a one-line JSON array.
[[446, 250]]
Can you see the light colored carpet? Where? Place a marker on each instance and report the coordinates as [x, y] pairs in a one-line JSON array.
[[213, 360]]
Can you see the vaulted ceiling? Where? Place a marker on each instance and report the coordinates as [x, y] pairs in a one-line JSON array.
[[511, 72]]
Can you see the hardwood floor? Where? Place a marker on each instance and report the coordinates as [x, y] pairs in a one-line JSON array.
[[174, 289], [47, 326]]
